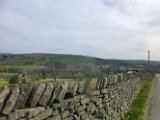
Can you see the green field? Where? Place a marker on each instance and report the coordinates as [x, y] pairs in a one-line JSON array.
[[35, 61], [24, 67], [4, 83], [49, 80]]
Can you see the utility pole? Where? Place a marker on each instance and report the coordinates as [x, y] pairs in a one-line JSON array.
[[148, 59]]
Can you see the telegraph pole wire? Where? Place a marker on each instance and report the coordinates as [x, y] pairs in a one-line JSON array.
[[134, 3]]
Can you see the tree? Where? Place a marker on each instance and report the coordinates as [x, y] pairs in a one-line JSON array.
[[54, 68], [43, 71], [14, 79], [23, 81]]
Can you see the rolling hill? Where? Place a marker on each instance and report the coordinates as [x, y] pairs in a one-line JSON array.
[[36, 60]]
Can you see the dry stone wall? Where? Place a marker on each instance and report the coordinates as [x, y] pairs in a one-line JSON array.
[[107, 98]]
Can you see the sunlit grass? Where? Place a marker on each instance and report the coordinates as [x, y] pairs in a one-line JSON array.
[[24, 67], [48, 80], [141, 103], [4, 83]]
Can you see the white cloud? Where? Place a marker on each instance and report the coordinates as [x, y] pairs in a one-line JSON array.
[[101, 28]]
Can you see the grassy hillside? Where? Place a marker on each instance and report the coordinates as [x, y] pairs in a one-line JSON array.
[[39, 67], [35, 61]]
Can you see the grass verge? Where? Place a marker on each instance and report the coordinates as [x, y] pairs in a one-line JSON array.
[[6, 83], [3, 83], [49, 80], [139, 108]]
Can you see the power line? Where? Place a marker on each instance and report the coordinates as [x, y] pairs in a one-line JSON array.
[[134, 3], [137, 10]]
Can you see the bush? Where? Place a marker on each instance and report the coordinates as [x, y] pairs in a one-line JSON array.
[[23, 81], [14, 79]]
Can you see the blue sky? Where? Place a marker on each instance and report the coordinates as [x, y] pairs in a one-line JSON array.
[[100, 28]]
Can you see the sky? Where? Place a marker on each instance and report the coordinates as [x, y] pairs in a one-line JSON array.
[[99, 28]]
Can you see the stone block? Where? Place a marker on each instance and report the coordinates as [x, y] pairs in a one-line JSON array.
[[11, 101], [44, 114], [72, 89], [103, 91], [93, 92], [90, 85], [28, 112], [69, 118], [81, 85], [36, 94], [23, 96], [61, 92], [84, 100], [4, 92], [46, 95], [65, 114], [58, 117], [91, 108], [3, 118], [12, 116], [81, 108], [56, 89]]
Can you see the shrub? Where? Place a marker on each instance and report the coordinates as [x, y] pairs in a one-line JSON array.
[[14, 79], [23, 81]]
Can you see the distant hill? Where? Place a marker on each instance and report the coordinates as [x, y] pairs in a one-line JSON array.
[[42, 59], [36, 60]]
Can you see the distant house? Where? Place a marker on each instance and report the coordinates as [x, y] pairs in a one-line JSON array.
[[130, 72]]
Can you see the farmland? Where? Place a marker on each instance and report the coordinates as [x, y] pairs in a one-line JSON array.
[[39, 67]]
